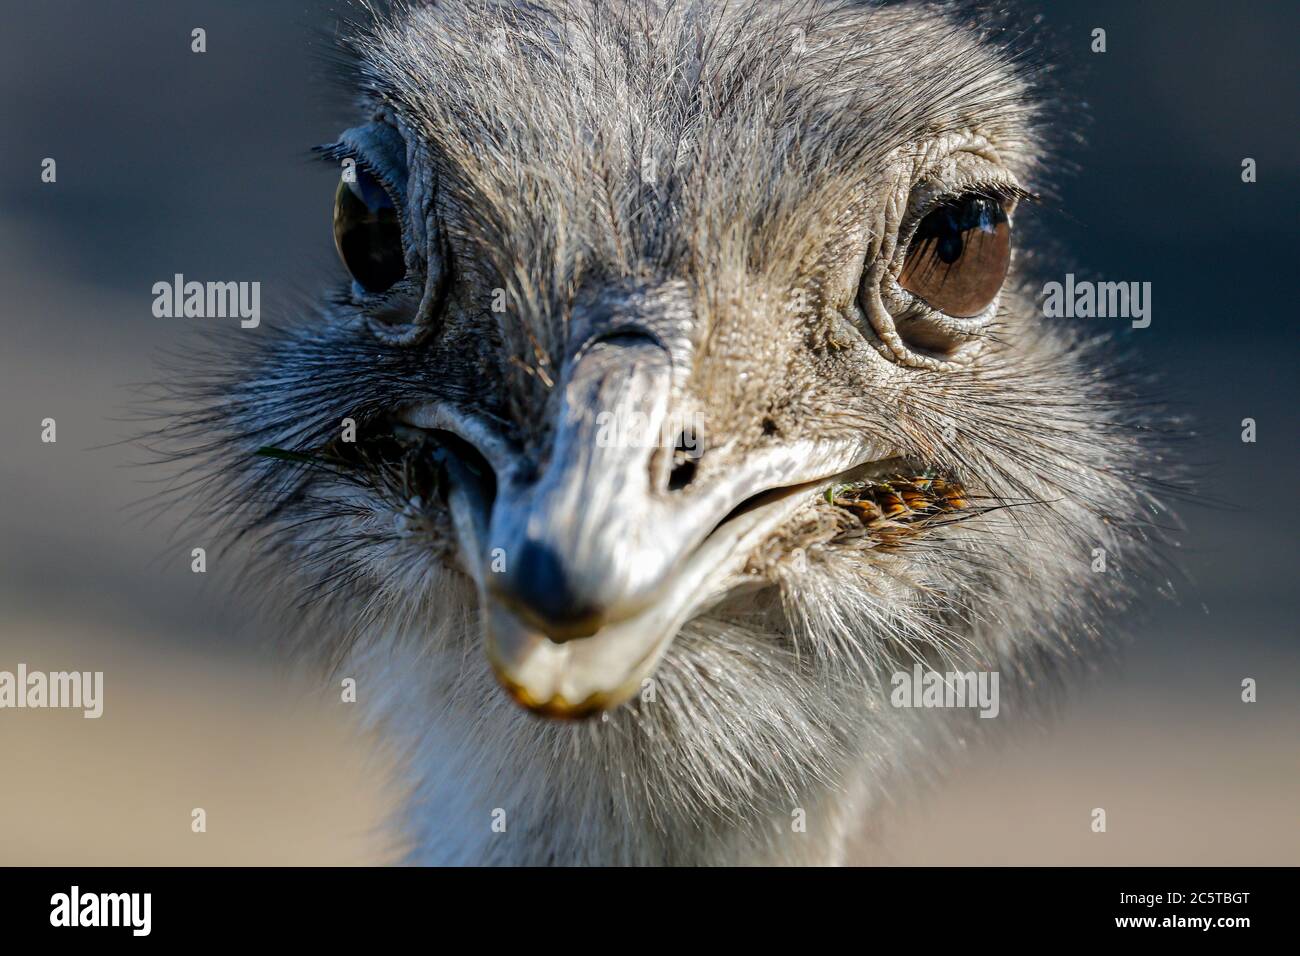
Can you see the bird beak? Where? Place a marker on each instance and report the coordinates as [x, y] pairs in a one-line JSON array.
[[588, 566], [549, 670]]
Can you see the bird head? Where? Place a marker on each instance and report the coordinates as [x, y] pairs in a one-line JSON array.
[[674, 329]]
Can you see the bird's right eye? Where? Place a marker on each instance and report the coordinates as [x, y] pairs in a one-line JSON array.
[[368, 232], [959, 256]]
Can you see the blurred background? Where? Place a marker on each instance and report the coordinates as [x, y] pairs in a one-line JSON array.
[[170, 161]]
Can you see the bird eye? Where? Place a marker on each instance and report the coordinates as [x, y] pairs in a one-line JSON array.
[[959, 255], [368, 232]]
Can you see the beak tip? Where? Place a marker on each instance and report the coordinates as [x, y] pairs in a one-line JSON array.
[[535, 671], [555, 708]]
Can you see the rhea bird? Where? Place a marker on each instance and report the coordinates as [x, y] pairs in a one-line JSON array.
[[688, 378]]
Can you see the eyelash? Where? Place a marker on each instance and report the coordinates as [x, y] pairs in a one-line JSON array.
[[335, 153], [1004, 194]]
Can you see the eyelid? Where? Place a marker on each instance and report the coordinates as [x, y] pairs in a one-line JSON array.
[[380, 149]]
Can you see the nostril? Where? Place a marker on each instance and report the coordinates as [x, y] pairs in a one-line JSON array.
[[681, 475], [686, 454]]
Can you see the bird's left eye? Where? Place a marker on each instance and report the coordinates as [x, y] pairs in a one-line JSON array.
[[959, 255], [368, 232]]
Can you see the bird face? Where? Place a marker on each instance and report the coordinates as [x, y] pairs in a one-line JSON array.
[[670, 450], [711, 325]]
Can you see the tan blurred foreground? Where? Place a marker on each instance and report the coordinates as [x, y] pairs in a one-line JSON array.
[[286, 780], [275, 766]]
